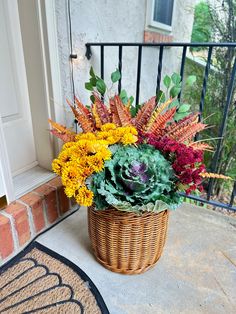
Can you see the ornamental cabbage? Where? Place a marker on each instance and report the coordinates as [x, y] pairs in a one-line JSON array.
[[135, 179]]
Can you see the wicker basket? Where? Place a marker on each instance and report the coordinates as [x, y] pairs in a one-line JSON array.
[[125, 242]]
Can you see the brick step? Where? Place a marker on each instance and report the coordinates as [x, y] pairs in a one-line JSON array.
[[30, 215]]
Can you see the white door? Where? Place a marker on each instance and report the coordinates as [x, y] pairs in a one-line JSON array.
[[2, 188], [14, 101]]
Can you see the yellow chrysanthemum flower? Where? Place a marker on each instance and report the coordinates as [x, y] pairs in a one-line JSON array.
[[64, 155], [68, 145], [129, 139], [131, 129], [70, 173], [84, 196], [120, 131], [96, 163], [108, 127], [103, 135], [57, 166], [70, 190], [113, 140], [104, 154], [96, 146], [85, 136]]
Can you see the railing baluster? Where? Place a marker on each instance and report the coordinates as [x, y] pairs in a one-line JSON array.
[[159, 69], [222, 127], [204, 86], [182, 68], [233, 195], [102, 62], [120, 68], [138, 73]]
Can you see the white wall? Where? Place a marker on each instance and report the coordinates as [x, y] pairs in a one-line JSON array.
[[116, 21]]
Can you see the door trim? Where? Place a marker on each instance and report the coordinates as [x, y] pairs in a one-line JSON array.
[[49, 35], [5, 168]]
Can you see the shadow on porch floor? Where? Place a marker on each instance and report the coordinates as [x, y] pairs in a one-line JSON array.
[[196, 274]]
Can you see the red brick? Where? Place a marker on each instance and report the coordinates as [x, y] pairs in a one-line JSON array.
[[6, 238], [19, 212], [62, 198], [49, 194], [36, 206], [156, 37]]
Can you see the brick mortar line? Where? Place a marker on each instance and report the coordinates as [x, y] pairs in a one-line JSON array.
[[30, 217], [47, 223], [13, 230], [57, 199]]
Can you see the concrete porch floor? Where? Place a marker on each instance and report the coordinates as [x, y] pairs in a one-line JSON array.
[[196, 273]]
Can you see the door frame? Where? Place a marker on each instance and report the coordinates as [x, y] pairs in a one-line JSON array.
[[51, 70]]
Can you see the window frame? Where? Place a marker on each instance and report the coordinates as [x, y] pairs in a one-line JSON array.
[[154, 24]]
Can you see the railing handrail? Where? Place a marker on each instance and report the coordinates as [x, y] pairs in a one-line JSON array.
[[167, 44]]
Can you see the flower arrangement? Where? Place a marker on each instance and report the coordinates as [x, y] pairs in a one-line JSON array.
[[133, 162]]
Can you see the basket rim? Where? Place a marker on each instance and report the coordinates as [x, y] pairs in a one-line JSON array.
[[113, 211]]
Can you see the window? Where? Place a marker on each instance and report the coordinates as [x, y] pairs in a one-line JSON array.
[[159, 13]]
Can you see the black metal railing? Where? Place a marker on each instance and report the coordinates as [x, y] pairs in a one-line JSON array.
[[184, 46]]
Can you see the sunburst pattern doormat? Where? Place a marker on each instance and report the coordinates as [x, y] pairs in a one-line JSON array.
[[39, 280]]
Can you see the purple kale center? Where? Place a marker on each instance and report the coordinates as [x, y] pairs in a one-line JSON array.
[[138, 169]]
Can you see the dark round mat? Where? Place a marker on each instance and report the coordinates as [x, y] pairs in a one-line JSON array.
[[38, 280]]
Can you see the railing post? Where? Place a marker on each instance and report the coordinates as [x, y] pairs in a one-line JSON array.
[[120, 68], [233, 195], [182, 68], [159, 70], [204, 86], [138, 73], [102, 62], [88, 53]]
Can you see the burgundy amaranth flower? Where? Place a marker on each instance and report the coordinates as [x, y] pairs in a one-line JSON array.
[[186, 162]]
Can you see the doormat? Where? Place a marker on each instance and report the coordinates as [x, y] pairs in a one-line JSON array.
[[38, 280]]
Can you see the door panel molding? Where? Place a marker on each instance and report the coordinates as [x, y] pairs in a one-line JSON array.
[[5, 170]]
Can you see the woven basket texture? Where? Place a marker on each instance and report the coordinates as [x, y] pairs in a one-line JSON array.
[[125, 242]]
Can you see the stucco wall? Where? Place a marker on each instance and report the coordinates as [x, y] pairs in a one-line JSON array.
[[116, 21]]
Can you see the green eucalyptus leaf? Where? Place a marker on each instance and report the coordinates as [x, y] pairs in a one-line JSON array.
[[133, 111], [167, 81], [123, 93], [174, 103], [161, 96], [93, 81], [184, 108], [179, 116], [123, 96], [91, 72], [176, 78], [92, 98], [115, 76], [174, 91], [101, 86], [88, 86], [131, 100]]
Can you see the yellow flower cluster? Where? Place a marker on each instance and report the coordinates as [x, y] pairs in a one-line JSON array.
[[78, 160]]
